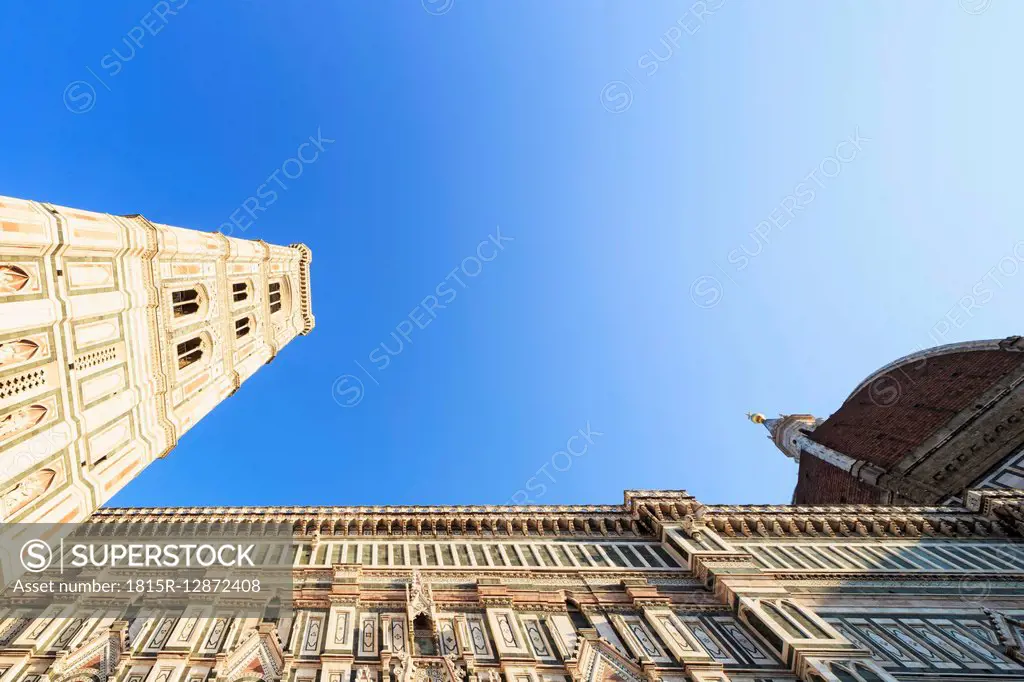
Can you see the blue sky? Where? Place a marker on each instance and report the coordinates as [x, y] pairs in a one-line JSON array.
[[700, 213]]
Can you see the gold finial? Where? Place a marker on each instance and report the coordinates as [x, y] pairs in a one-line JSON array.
[[755, 417]]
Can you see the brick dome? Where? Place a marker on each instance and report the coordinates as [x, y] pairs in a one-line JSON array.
[[898, 409]]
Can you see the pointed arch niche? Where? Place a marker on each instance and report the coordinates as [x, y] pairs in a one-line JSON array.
[[12, 278]]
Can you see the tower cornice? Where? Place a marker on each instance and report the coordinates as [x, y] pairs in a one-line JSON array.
[[305, 295]]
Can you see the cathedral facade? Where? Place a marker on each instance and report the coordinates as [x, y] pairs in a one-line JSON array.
[[660, 588]]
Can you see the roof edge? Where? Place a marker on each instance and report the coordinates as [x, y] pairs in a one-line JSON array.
[[1009, 344]]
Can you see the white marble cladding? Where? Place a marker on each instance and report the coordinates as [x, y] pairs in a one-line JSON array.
[[892, 556], [484, 554]]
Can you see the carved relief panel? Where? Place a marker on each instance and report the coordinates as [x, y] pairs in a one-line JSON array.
[[312, 635], [708, 639], [188, 629], [34, 634], [399, 631], [675, 636], [741, 642], [537, 638], [214, 636], [71, 632], [161, 634], [446, 635], [367, 635], [340, 626], [508, 636], [641, 639], [478, 636]]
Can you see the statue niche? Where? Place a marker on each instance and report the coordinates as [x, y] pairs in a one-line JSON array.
[[420, 613], [424, 641]]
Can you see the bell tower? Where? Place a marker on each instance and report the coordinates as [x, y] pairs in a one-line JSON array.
[[117, 335]]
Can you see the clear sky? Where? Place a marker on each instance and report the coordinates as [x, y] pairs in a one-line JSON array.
[[699, 213]]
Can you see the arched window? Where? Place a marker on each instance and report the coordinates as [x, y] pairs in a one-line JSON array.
[[239, 292], [185, 302], [190, 352], [242, 326], [274, 291]]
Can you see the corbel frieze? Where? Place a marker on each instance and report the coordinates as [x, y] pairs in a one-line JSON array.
[[1010, 631], [826, 578]]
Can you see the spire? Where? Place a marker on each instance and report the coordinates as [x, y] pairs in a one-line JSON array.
[[786, 431], [771, 424], [790, 434]]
